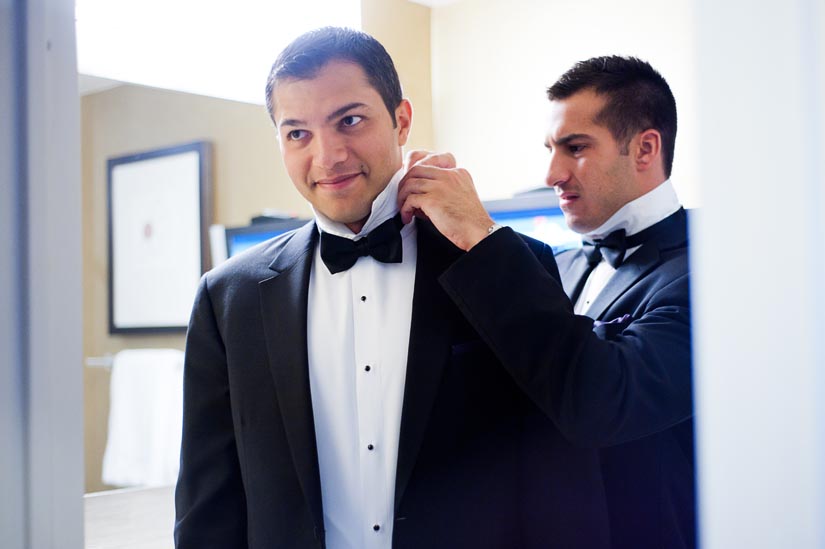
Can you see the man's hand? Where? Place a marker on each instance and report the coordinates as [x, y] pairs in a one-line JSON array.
[[428, 158], [435, 189]]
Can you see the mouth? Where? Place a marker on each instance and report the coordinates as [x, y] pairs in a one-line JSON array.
[[337, 181], [567, 197]]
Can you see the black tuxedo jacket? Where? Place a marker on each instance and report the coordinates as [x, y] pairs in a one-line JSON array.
[[480, 465], [621, 384]]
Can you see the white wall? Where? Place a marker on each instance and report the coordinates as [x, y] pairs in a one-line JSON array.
[[493, 60], [759, 274]]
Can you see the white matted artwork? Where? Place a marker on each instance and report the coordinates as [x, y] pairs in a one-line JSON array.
[[159, 211]]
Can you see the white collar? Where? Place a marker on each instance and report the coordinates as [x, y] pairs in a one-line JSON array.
[[641, 213], [384, 207]]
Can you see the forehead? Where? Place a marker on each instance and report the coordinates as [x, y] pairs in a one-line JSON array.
[[337, 83], [575, 114]]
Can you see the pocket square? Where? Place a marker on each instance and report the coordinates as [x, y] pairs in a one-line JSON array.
[[612, 328]]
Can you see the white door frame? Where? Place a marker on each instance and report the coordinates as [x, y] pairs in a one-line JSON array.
[[41, 391]]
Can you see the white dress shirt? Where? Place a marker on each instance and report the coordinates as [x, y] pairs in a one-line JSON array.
[[635, 216], [358, 328]]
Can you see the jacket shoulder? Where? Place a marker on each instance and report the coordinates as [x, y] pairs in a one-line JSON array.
[[565, 257]]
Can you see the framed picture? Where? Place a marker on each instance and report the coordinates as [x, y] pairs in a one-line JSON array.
[[160, 205]]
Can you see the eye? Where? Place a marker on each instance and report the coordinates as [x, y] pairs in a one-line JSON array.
[[351, 120], [575, 149], [296, 135]]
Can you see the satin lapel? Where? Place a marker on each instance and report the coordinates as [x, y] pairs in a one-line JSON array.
[[429, 348], [645, 259], [636, 266], [574, 274], [284, 310]]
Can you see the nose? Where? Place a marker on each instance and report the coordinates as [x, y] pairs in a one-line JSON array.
[[330, 149], [557, 172]]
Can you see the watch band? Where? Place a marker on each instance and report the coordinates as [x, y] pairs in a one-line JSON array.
[[493, 228]]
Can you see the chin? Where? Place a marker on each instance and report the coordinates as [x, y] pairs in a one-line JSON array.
[[574, 224], [342, 215], [349, 219]]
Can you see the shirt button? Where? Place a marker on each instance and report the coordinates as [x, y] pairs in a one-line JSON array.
[[367, 368], [363, 298], [370, 447], [376, 527]]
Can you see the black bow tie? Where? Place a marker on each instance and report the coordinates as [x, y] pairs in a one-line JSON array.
[[614, 246], [383, 243]]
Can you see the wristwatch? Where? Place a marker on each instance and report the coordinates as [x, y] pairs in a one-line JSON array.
[[493, 228]]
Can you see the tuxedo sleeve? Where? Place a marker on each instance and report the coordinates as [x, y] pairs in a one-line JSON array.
[[600, 385], [209, 497]]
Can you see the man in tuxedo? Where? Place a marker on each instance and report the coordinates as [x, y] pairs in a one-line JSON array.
[[625, 389], [334, 395]]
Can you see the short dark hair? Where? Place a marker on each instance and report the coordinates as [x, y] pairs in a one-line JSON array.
[[305, 56], [638, 98]]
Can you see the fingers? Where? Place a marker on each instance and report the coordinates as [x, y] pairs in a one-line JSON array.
[[412, 207], [414, 181], [422, 171], [429, 158], [408, 187], [443, 160], [414, 157], [440, 182]]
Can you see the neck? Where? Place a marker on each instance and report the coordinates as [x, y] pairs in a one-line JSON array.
[[640, 213], [357, 226]]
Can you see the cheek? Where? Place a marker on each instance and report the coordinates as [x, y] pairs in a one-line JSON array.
[[295, 165], [581, 166], [381, 149]]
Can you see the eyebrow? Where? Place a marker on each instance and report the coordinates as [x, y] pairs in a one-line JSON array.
[[571, 137], [343, 110], [293, 122]]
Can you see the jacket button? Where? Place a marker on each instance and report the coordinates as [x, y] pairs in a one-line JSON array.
[[376, 527], [370, 447]]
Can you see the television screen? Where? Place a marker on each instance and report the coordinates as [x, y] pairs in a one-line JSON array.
[[537, 215], [228, 241], [239, 239]]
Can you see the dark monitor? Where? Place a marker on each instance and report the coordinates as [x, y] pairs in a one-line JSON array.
[[536, 214]]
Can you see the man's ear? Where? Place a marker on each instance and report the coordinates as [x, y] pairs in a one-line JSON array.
[[403, 121], [648, 149]]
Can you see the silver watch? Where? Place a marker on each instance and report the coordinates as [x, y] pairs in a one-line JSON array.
[[493, 228]]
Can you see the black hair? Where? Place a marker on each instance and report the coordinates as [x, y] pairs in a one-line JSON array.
[[637, 98], [310, 52]]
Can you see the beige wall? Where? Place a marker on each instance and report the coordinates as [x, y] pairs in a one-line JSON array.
[[404, 30], [248, 177], [493, 60]]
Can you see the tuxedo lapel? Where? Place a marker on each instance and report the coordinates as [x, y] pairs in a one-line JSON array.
[[574, 277], [429, 348], [636, 266], [673, 233], [284, 311]]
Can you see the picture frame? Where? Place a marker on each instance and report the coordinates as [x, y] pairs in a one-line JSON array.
[[159, 212]]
